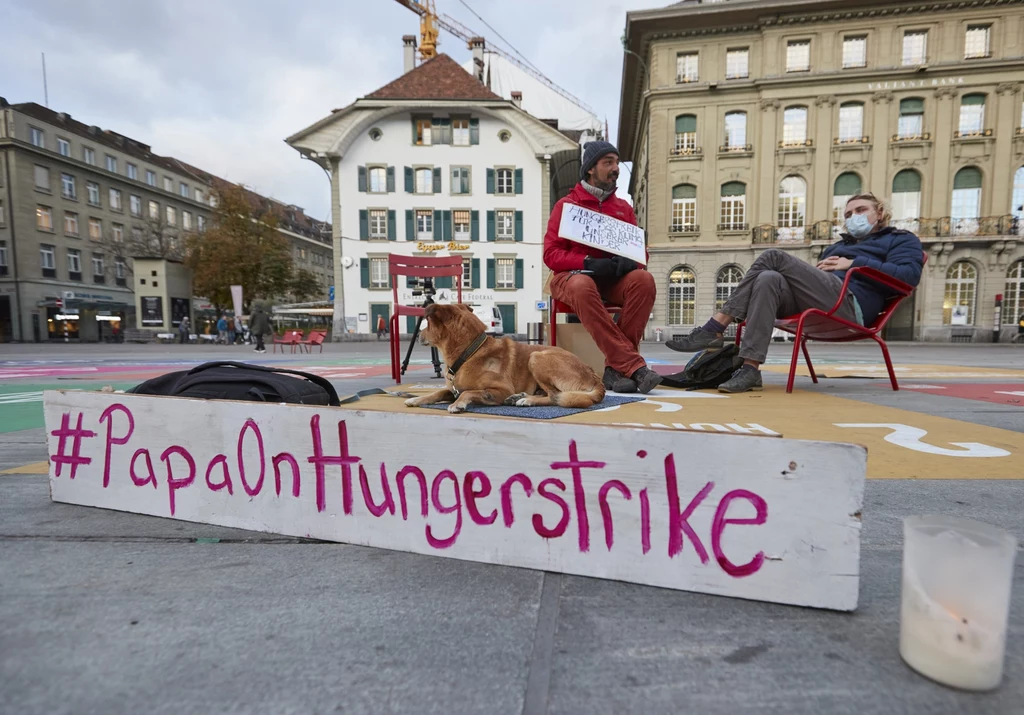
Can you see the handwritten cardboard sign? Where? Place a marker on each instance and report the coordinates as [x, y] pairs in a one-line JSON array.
[[754, 517], [604, 232]]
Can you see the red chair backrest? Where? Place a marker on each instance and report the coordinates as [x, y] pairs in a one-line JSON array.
[[424, 267]]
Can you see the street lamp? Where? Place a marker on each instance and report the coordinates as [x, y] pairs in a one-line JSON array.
[[647, 151]]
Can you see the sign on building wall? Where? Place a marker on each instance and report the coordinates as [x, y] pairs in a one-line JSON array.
[[152, 310], [604, 232]]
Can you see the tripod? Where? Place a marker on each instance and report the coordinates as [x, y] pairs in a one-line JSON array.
[[435, 358]]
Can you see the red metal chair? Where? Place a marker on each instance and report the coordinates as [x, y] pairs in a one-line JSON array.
[[416, 267], [560, 307], [290, 337], [816, 324], [316, 339]]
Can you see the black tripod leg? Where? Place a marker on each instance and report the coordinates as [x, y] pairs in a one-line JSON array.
[[412, 342], [435, 358]]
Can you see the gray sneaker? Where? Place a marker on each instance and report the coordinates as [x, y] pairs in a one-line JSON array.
[[646, 379], [617, 382], [698, 339], [743, 380]]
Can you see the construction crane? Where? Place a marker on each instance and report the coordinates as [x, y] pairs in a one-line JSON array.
[[430, 21]]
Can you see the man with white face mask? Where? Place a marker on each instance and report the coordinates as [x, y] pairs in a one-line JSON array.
[[779, 285]]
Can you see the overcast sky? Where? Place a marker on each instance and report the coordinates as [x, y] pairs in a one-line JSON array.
[[221, 83]]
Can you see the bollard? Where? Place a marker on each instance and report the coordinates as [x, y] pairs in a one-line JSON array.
[[535, 333]]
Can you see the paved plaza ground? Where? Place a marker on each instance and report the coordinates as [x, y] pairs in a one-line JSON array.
[[109, 612]]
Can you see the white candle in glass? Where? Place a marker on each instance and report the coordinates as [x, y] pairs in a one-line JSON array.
[[957, 575]]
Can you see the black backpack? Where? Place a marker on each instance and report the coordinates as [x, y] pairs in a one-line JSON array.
[[706, 369], [241, 381]]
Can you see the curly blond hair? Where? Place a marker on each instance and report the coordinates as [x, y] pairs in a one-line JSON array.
[[881, 206]]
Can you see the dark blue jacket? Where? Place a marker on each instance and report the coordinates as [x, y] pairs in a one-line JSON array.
[[892, 251]]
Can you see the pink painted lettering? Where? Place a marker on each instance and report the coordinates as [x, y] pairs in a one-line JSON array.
[[606, 511], [174, 484], [576, 466], [319, 461], [388, 505], [543, 489], [221, 460], [108, 417], [472, 494], [678, 523], [418, 473], [507, 515], [250, 424], [720, 522], [645, 521], [151, 479], [456, 508], [296, 478]]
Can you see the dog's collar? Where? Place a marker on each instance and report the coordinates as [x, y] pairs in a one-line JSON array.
[[467, 354]]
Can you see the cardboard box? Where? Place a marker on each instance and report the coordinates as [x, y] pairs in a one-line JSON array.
[[575, 338]]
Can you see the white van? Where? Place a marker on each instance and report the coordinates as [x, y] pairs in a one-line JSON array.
[[490, 316]]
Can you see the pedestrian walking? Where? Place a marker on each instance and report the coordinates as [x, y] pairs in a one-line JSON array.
[[231, 330], [239, 330], [259, 326], [222, 330], [382, 327], [184, 329]]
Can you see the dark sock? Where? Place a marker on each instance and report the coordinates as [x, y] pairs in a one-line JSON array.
[[713, 326], [748, 366]]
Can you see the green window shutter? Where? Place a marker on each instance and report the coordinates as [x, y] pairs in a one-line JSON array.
[[414, 129], [392, 233], [362, 179], [446, 219], [364, 225], [408, 180], [410, 282], [913, 105], [443, 282], [734, 188], [490, 225], [969, 178], [686, 123], [474, 131], [972, 99], [364, 272], [391, 179], [906, 182], [437, 179], [490, 273], [847, 184], [410, 228], [519, 181], [410, 324], [474, 226], [519, 225], [437, 226], [474, 274], [519, 273], [684, 191], [490, 181]]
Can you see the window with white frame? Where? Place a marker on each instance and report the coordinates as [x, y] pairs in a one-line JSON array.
[[687, 67], [976, 42], [154, 211], [63, 147], [135, 205], [915, 47], [503, 181], [1013, 293], [851, 122], [47, 258], [734, 206], [965, 207], [112, 163], [378, 223], [37, 137], [95, 229], [168, 184], [460, 131], [200, 223], [959, 296], [92, 193], [906, 200], [467, 272], [424, 181], [3, 216], [1017, 200], [172, 216], [97, 264], [686, 134], [3, 257], [186, 220], [504, 225], [70, 223], [377, 181], [682, 296], [88, 156], [737, 63], [460, 180], [855, 52], [115, 200], [792, 207], [379, 273], [798, 55], [461, 223], [74, 261], [726, 282], [117, 232], [150, 177], [44, 218], [911, 123], [505, 273], [183, 189], [67, 186], [198, 194], [424, 225], [684, 208], [846, 186], [794, 126], [424, 131], [119, 269], [42, 176], [131, 171], [972, 114]]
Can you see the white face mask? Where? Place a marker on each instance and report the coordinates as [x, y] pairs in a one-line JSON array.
[[858, 225]]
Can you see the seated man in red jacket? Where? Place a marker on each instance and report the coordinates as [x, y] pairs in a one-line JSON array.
[[583, 277]]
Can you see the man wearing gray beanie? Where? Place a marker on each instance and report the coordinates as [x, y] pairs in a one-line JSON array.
[[584, 278]]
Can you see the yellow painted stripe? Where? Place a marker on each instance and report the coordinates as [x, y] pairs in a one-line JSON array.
[[903, 372], [34, 468]]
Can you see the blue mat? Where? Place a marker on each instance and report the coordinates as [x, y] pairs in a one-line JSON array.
[[541, 413]]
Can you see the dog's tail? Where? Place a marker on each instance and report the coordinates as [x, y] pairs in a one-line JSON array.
[[580, 399]]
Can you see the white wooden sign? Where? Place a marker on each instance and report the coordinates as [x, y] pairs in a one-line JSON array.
[[753, 517], [600, 231]]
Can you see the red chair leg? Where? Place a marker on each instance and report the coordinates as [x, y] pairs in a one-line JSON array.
[[396, 370], [807, 358], [739, 332], [888, 362], [552, 327], [797, 342]]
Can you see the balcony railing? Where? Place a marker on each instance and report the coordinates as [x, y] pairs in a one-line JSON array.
[[854, 140], [923, 137], [722, 227], [736, 149], [973, 134], [684, 228], [795, 144], [687, 79], [687, 151], [765, 233]]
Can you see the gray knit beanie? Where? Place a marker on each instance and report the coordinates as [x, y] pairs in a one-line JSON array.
[[593, 152]]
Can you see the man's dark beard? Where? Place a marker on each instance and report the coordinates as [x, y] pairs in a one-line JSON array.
[[608, 185]]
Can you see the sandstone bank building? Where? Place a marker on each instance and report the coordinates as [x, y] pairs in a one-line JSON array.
[[759, 118]]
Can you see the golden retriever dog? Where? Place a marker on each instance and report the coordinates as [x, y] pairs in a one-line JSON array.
[[502, 371]]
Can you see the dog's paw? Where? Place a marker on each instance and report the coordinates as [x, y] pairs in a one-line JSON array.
[[456, 408], [514, 399], [524, 402], [412, 402]]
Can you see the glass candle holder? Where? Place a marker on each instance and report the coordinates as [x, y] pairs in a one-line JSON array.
[[957, 575]]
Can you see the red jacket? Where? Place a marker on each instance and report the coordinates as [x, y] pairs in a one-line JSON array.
[[561, 254]]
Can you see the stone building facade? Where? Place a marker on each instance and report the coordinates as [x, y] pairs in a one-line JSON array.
[[756, 121]]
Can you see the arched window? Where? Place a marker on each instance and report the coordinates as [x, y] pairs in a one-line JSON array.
[[906, 199], [684, 208], [734, 207], [961, 289], [792, 206], [846, 187], [725, 283], [966, 204], [851, 122], [794, 126], [1017, 204], [682, 296], [736, 131], [911, 118], [1013, 294], [972, 115], [686, 134]]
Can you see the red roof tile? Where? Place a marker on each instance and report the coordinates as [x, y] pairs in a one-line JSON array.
[[437, 78]]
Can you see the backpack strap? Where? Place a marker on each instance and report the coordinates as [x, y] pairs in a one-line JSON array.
[[332, 394], [373, 391]]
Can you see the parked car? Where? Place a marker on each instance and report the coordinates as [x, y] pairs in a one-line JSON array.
[[490, 316]]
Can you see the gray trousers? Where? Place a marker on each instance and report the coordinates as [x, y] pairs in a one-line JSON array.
[[776, 286]]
